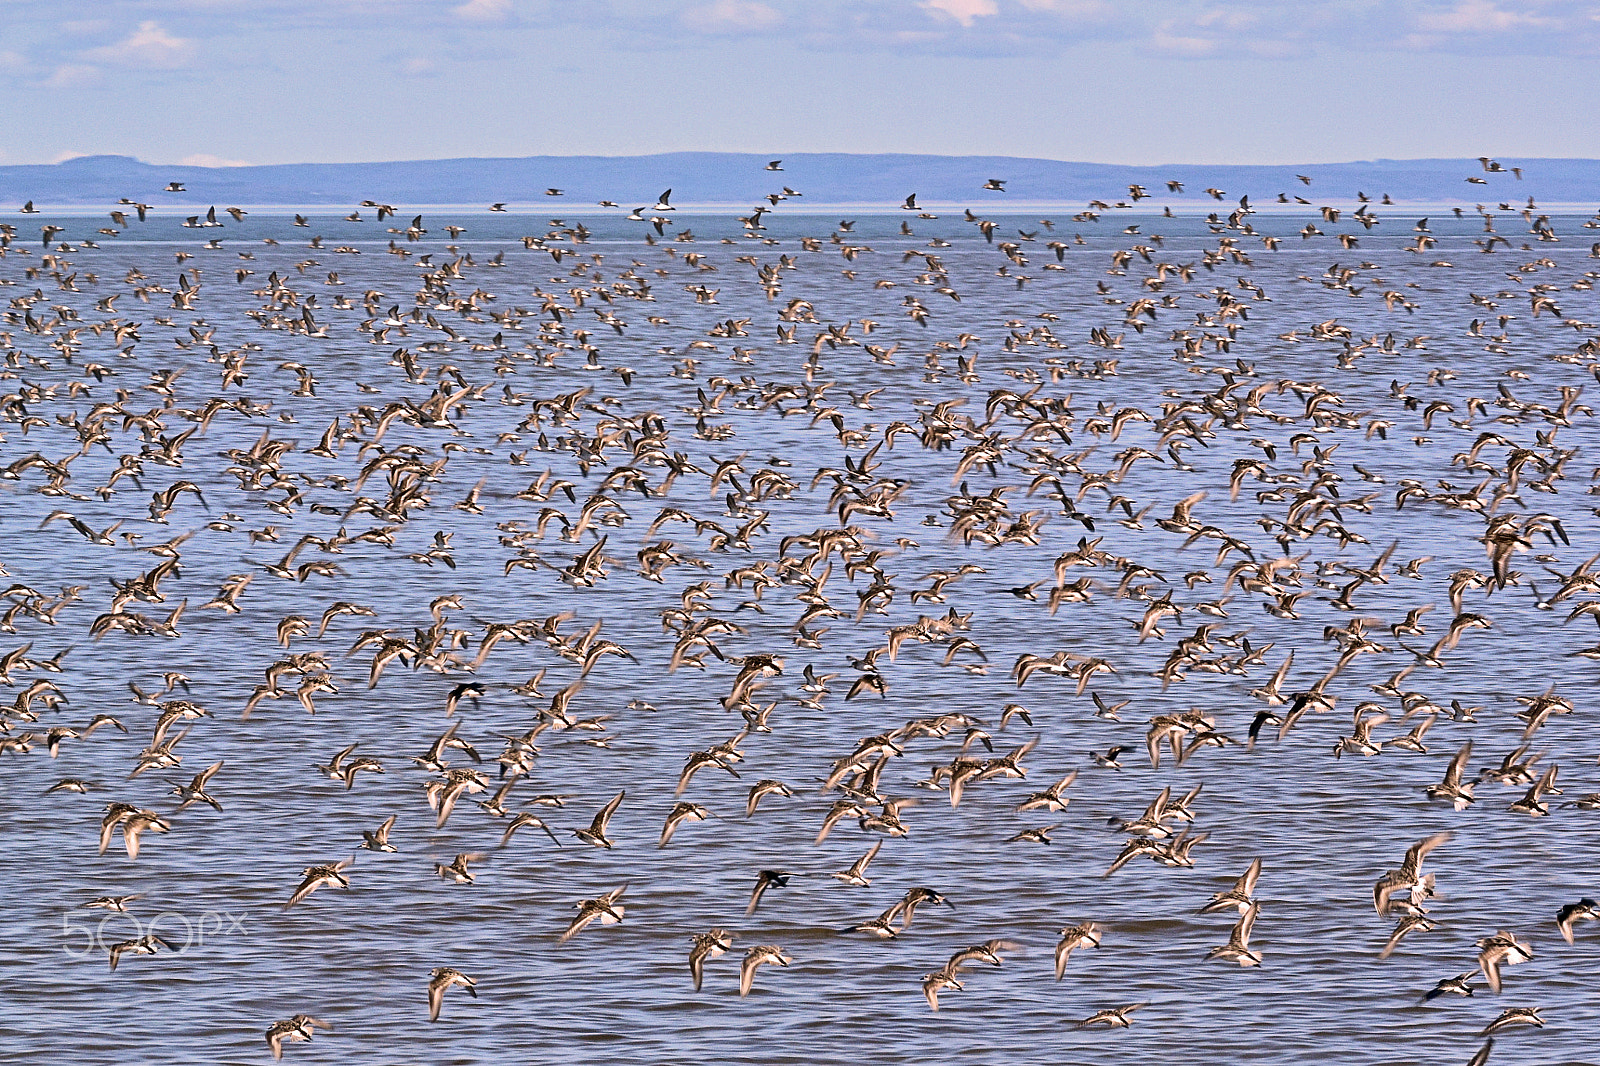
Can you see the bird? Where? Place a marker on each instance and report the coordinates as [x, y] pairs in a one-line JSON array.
[[1585, 910], [596, 832], [195, 790], [1241, 896], [315, 877], [441, 980], [1413, 922], [378, 839], [678, 815], [1109, 759], [112, 903], [457, 869], [148, 944], [764, 788], [1501, 949], [760, 955], [1514, 1016], [1408, 878], [1052, 798], [528, 818], [291, 1030], [946, 977], [881, 926], [1452, 789], [764, 880], [1238, 949], [1459, 985], [1112, 1018], [605, 907], [711, 944], [907, 906], [1083, 935], [1037, 835], [988, 951], [856, 874]]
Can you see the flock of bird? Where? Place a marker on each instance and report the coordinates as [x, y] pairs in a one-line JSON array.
[[870, 498]]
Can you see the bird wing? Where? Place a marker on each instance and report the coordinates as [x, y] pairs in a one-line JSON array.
[[107, 827], [1063, 951], [130, 836], [206, 775], [1419, 851], [1242, 930], [1489, 963], [677, 815], [308, 886], [1128, 853], [755, 897], [598, 828], [697, 964], [1247, 883], [581, 922], [747, 970], [436, 989], [447, 800], [1452, 776]]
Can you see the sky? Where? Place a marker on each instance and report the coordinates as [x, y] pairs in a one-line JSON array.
[[225, 82]]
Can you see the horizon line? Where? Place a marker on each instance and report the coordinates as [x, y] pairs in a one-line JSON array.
[[247, 165]]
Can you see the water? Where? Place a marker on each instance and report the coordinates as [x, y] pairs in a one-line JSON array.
[[1326, 829]]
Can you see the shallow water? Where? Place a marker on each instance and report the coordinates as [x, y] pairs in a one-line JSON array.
[[1325, 828]]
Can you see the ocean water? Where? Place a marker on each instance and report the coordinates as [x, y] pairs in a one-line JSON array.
[[1325, 828]]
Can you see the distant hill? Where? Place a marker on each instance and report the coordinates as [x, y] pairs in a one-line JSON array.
[[729, 178]]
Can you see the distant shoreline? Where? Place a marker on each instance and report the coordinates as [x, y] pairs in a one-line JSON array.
[[718, 182]]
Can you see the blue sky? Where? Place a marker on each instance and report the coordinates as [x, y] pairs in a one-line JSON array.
[[1115, 81]]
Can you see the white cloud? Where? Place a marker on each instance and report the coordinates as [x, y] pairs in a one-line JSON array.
[[1182, 45], [73, 76], [725, 15], [13, 62], [963, 11], [1230, 21], [203, 159], [484, 10], [148, 46], [1278, 48], [1174, 39], [1071, 8], [1476, 16]]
